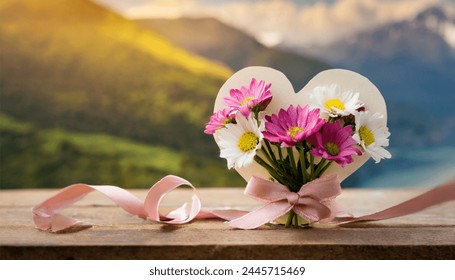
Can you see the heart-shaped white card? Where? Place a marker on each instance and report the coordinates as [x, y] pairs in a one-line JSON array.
[[284, 96]]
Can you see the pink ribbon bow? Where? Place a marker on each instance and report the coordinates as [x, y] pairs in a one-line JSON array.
[[314, 201]]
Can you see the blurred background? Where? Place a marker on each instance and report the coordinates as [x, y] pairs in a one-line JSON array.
[[118, 92]]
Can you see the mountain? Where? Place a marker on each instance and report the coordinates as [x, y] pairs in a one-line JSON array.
[[76, 66], [412, 61], [217, 41]]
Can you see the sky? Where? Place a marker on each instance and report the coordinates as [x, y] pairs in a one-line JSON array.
[[297, 23]]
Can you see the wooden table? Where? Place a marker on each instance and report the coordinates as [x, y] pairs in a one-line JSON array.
[[117, 235]]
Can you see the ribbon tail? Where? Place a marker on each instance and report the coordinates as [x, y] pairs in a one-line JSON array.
[[438, 195], [46, 216], [262, 215], [225, 214], [63, 224]]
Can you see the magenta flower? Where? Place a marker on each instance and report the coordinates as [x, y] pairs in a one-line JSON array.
[[292, 126], [335, 143], [219, 120], [253, 99]]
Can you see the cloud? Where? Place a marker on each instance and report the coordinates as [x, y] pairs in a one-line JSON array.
[[319, 23], [163, 8], [322, 23], [275, 21]]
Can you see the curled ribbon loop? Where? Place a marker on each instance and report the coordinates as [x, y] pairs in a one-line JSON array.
[[46, 216], [160, 190]]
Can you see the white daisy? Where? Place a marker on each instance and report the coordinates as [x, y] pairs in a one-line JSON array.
[[372, 135], [331, 100], [239, 142]]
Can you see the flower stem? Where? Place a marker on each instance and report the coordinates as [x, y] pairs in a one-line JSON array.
[[272, 167], [312, 165], [269, 168], [269, 159], [280, 153], [303, 165], [325, 167], [269, 148], [290, 218], [320, 166], [256, 114], [292, 160]]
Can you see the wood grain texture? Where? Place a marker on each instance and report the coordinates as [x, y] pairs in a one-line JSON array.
[[115, 234]]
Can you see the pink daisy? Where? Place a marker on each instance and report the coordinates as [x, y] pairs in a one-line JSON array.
[[219, 120], [293, 125], [252, 99], [335, 143]]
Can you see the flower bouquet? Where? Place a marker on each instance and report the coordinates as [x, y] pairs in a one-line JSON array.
[[296, 143]]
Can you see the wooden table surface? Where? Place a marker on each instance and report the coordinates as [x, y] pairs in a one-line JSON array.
[[116, 234]]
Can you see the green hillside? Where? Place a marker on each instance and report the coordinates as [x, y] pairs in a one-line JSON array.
[[76, 66], [217, 41], [54, 158]]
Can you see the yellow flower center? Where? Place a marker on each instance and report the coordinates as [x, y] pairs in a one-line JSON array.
[[332, 148], [246, 100], [248, 142], [294, 130], [366, 135], [334, 103]]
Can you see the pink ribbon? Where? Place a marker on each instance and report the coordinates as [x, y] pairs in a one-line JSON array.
[[46, 216], [438, 195], [315, 202]]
